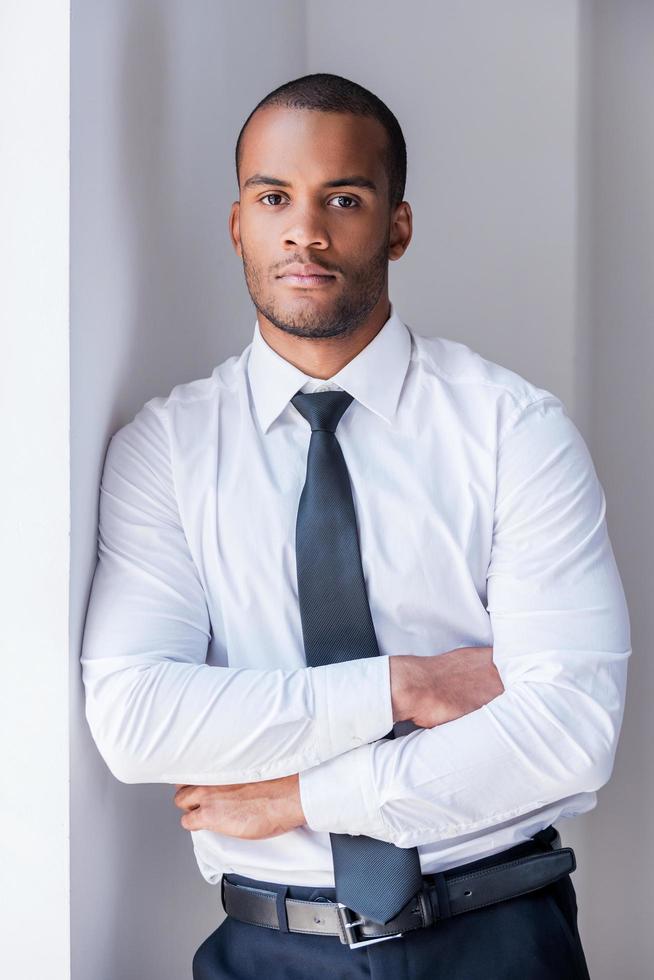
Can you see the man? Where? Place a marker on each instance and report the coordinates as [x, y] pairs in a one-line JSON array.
[[356, 599]]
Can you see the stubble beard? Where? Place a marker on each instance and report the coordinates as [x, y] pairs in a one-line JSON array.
[[343, 318]]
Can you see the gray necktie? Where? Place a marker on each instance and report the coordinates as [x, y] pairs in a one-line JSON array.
[[372, 877]]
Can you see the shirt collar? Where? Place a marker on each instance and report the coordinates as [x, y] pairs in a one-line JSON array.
[[374, 377]]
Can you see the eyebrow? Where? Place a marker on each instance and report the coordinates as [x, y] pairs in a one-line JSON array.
[[354, 180]]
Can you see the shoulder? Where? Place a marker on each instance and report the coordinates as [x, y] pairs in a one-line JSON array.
[[189, 407], [458, 365], [476, 381], [189, 394]]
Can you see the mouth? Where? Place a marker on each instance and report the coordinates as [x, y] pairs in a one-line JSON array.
[[306, 275], [307, 281]]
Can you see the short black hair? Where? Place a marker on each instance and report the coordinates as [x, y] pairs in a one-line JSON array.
[[325, 92]]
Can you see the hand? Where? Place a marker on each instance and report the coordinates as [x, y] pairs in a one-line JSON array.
[[432, 690], [249, 810]]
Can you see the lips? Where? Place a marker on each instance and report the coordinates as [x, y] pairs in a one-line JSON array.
[[308, 272]]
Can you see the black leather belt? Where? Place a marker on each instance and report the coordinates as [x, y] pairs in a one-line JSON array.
[[444, 894]]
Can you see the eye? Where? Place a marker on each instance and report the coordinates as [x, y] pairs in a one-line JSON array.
[[345, 197], [270, 194]]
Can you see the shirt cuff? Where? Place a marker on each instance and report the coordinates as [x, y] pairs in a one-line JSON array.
[[353, 703], [339, 796]]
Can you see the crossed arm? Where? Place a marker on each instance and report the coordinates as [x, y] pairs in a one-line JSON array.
[[561, 641], [428, 691]]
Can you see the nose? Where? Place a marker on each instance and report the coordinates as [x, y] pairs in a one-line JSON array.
[[306, 230]]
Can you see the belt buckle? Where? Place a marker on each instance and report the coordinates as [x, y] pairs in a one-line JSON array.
[[348, 922]]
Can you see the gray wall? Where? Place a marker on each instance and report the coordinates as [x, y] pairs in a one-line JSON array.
[[528, 176], [486, 95], [617, 901]]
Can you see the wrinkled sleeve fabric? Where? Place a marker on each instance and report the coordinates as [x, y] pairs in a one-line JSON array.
[[157, 711], [561, 642]]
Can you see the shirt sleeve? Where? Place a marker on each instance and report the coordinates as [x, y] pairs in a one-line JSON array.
[[561, 642], [157, 711]]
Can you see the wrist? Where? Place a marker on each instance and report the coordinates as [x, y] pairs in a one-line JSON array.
[[402, 694], [295, 811]]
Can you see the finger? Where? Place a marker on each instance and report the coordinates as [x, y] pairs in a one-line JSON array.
[[193, 820], [186, 796]]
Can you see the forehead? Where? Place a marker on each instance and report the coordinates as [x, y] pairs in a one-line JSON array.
[[301, 145]]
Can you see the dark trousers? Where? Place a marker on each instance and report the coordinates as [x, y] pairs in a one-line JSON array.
[[532, 937]]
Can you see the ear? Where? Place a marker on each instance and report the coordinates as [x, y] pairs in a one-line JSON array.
[[401, 230], [234, 227]]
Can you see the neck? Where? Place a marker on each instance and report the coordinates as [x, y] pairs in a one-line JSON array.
[[323, 358]]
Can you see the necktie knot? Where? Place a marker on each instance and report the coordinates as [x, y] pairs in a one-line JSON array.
[[322, 409]]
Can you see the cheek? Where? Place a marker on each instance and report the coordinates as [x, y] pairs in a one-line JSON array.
[[257, 261], [258, 240], [360, 243]]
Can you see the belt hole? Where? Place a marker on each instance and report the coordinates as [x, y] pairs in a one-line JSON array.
[[467, 893], [320, 898]]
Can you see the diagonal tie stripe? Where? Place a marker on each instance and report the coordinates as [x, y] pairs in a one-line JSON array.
[[372, 877]]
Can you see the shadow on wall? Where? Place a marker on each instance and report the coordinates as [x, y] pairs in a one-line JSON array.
[[157, 298]]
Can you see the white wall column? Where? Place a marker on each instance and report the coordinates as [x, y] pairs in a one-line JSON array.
[[34, 489]]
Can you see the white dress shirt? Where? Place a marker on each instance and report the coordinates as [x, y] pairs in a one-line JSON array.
[[481, 523]]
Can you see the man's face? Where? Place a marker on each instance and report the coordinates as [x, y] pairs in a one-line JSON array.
[[343, 229]]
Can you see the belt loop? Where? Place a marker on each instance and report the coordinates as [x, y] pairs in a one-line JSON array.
[[282, 918], [546, 837], [425, 904], [442, 895]]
